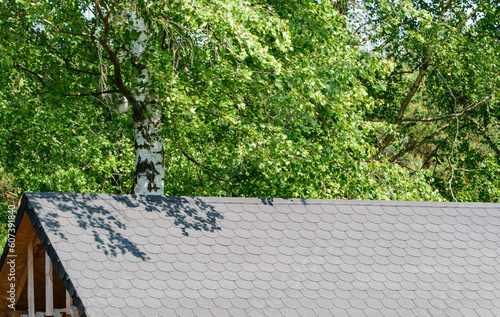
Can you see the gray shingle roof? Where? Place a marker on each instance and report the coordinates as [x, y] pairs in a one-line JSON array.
[[180, 256]]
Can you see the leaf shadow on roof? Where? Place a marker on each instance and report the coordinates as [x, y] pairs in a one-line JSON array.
[[188, 213], [267, 201], [105, 220]]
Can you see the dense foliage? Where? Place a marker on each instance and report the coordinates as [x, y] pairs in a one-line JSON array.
[[257, 98], [441, 99]]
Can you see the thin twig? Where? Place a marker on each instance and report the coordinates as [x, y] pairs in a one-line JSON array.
[[470, 15], [444, 7], [452, 115], [97, 93], [66, 32], [419, 144], [39, 77]]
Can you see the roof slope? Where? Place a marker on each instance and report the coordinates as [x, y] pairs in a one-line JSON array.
[[181, 256]]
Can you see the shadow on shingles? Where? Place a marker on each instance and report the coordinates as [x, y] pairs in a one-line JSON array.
[[187, 214], [267, 201]]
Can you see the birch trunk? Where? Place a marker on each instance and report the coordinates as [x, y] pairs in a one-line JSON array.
[[149, 166]]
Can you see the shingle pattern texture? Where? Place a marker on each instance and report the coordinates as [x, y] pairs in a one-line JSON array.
[[144, 256]]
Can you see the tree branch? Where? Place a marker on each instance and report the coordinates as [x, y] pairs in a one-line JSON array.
[[100, 12], [211, 171], [407, 21], [488, 139], [405, 72], [39, 77], [402, 72], [406, 102], [105, 5], [470, 15], [97, 93], [453, 115], [413, 89], [67, 64], [66, 32], [432, 154], [444, 7], [118, 80], [368, 22], [419, 144]]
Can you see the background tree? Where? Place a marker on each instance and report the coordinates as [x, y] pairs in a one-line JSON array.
[[440, 101]]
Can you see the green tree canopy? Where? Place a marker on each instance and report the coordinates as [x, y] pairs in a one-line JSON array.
[[242, 98], [440, 101]]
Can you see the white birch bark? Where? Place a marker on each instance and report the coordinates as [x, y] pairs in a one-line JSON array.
[[149, 164], [149, 167]]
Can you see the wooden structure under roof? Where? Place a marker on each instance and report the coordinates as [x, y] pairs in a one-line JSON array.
[[39, 291]]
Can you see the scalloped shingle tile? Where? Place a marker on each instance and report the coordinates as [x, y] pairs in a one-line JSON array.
[[185, 256]]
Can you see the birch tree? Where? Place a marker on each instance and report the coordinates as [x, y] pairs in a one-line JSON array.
[[120, 44], [220, 98]]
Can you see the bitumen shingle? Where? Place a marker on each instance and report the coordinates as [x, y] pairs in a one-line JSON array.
[[191, 256]]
